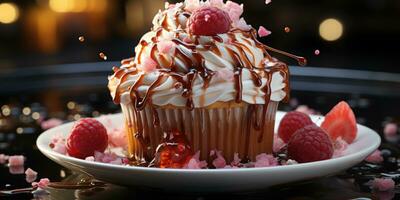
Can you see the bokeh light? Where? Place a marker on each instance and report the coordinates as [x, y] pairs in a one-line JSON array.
[[9, 13], [331, 29]]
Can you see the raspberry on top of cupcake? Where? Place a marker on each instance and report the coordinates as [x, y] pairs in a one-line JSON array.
[[199, 53]]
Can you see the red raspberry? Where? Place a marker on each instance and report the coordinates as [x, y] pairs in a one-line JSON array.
[[292, 122], [87, 136], [173, 152], [309, 144], [209, 21]]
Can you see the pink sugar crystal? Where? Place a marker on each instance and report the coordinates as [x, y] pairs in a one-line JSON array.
[[263, 32], [166, 47], [340, 146], [265, 160], [382, 184], [390, 129], [234, 10], [225, 74], [110, 158], [3, 158], [42, 184], [16, 160], [195, 163], [267, 2], [220, 161], [58, 144], [192, 5], [148, 64], [30, 175], [53, 122], [278, 143], [375, 157]]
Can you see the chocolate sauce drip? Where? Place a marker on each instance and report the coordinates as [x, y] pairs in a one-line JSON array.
[[238, 85]]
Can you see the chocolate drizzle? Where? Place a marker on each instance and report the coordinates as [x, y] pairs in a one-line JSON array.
[[189, 54]]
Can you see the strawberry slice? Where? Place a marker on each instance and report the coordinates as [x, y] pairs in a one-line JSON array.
[[341, 122]]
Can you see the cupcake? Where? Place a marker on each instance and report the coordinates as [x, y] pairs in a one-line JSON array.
[[200, 71]]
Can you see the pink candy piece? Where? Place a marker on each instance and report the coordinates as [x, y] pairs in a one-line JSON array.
[[195, 163], [219, 162], [263, 32], [217, 3], [148, 65], [53, 122], [382, 184], [236, 160], [30, 175], [390, 129], [305, 109], [17, 160], [278, 143], [166, 47], [90, 158], [267, 2], [16, 169], [225, 74], [234, 10], [340, 146], [265, 160], [375, 157], [3, 158], [242, 25], [42, 184], [117, 138], [316, 52]]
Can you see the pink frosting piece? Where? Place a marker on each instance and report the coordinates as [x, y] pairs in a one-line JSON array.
[[42, 184], [17, 160], [390, 129], [382, 184], [30, 175], [3, 158], [148, 64], [340, 146], [191, 5], [242, 25], [220, 161], [217, 3], [16, 169], [117, 138], [195, 163], [236, 160], [166, 47], [375, 157], [53, 122], [234, 10], [267, 2], [263, 32], [265, 160]]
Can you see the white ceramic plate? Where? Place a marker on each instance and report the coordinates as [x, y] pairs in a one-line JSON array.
[[217, 180]]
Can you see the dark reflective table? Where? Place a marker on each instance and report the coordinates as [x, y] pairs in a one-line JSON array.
[[69, 92]]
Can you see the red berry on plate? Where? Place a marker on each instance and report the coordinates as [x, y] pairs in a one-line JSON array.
[[173, 152], [209, 21], [341, 122], [87, 136], [310, 144], [292, 122]]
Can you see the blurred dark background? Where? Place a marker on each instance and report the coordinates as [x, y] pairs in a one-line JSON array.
[[358, 34]]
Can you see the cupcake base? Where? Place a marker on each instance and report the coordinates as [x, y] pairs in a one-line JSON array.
[[229, 127]]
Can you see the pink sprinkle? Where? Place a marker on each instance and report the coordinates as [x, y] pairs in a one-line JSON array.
[[192, 5], [265, 160], [148, 64], [278, 143], [16, 169], [234, 10], [242, 25], [58, 145], [166, 47], [316, 52], [42, 184], [225, 74], [3, 158], [382, 184], [267, 2], [195, 163], [30, 175], [390, 129], [207, 17], [51, 123], [375, 157], [17, 160], [263, 32], [340, 146], [219, 162]]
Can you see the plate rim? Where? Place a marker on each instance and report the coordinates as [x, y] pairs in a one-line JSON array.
[[44, 149]]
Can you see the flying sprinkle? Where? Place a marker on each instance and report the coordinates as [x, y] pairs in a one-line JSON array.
[[316, 52], [267, 2], [103, 56], [287, 29]]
